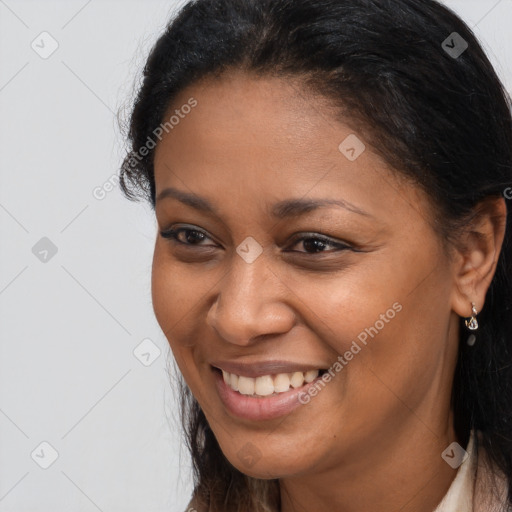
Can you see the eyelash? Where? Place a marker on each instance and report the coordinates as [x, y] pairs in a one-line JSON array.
[[172, 235]]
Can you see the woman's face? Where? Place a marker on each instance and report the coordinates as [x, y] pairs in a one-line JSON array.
[[367, 294]]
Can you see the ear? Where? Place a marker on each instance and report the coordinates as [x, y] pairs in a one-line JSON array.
[[477, 255]]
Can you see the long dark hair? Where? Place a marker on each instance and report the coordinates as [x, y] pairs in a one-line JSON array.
[[439, 117]]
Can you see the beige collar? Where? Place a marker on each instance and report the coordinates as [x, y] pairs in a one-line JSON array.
[[472, 490]]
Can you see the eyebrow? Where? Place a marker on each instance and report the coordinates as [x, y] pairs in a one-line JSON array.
[[281, 210]]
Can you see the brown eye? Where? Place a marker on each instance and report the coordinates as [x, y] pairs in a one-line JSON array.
[[317, 244], [185, 236]]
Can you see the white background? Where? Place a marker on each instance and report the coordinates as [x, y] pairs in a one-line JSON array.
[[69, 326]]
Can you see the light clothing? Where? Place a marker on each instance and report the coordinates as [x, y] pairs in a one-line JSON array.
[[472, 489]]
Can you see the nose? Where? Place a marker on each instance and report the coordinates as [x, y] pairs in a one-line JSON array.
[[250, 303]]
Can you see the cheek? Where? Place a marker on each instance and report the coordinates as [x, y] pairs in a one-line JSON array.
[[403, 351], [389, 326], [340, 307], [175, 295]]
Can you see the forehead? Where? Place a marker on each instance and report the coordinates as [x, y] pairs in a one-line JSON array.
[[251, 137]]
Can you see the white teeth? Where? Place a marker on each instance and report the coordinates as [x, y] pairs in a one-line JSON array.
[[297, 379], [281, 382], [266, 385], [311, 375], [233, 381], [246, 385]]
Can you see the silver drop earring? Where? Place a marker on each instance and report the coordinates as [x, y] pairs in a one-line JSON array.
[[472, 325]]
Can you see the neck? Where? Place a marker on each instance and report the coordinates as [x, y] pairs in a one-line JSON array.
[[406, 472]]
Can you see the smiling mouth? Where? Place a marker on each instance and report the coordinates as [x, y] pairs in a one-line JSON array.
[[268, 385]]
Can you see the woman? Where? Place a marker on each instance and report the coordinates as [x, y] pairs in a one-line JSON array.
[[333, 263]]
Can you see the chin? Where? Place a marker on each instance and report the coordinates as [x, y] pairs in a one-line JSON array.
[[267, 465]]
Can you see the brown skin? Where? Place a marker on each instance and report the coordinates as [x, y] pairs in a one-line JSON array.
[[373, 438]]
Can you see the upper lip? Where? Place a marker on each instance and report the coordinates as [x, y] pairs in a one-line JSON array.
[[258, 368]]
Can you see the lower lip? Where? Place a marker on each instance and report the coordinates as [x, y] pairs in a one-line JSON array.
[[258, 409]]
